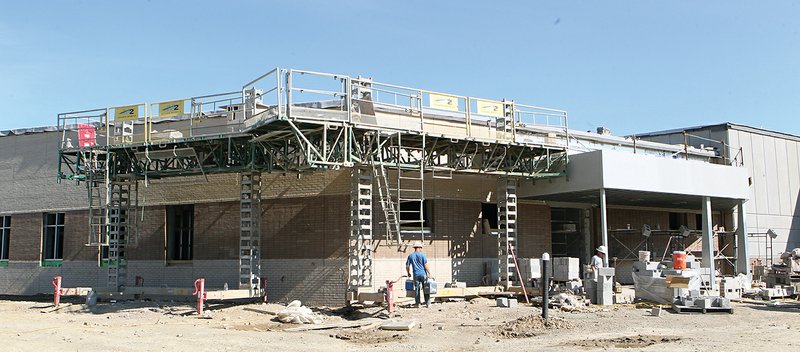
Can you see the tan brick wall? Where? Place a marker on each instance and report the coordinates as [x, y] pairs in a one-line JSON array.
[[26, 237]]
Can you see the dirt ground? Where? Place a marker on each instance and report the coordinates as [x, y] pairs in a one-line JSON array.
[[475, 325]]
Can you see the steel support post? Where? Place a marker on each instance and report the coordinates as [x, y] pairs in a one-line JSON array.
[[742, 252], [708, 243], [604, 224]]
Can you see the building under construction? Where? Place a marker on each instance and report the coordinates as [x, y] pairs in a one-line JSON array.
[[307, 185]]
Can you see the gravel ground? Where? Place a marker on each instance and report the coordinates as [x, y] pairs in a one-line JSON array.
[[455, 326]]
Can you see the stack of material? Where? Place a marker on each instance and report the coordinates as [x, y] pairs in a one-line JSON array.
[[651, 283], [734, 286], [694, 303], [787, 272]]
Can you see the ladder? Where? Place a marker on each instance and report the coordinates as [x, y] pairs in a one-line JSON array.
[[505, 124], [390, 210], [118, 231], [507, 231], [360, 243], [409, 189], [97, 185], [250, 232]]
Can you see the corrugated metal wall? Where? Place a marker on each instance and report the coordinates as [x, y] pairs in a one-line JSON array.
[[774, 168]]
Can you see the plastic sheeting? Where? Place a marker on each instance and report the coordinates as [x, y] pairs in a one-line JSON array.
[[296, 313]]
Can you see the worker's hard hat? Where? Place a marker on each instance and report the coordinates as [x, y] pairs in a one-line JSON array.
[[602, 249], [418, 244]]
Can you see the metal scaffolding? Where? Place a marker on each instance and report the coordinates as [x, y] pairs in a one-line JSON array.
[[300, 121]]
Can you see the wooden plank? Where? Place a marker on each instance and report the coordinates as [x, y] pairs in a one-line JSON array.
[[398, 325], [342, 325], [455, 292], [76, 291], [674, 281], [259, 311], [228, 294], [376, 297]]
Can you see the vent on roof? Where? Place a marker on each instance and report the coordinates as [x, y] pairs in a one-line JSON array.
[[603, 131]]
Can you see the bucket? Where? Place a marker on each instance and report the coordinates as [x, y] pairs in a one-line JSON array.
[[644, 256], [679, 260]]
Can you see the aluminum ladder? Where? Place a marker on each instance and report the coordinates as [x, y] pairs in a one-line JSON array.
[[98, 187], [390, 209], [119, 227], [250, 232], [507, 231], [409, 187]]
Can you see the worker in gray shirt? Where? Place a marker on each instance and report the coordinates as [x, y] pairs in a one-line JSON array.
[[597, 259], [419, 263]]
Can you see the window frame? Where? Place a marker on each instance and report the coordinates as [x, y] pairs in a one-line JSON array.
[[492, 218], [5, 239], [58, 226], [184, 255], [427, 214]]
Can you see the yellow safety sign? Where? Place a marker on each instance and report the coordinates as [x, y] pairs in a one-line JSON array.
[[126, 113], [444, 102], [490, 108], [170, 108]]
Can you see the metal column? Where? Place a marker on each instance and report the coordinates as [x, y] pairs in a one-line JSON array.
[[742, 253], [119, 209], [250, 232], [360, 243], [604, 224], [708, 244], [507, 231]]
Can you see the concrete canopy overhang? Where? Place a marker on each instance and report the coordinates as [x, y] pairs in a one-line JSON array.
[[642, 180]]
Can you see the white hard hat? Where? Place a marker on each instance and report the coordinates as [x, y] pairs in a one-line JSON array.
[[602, 249], [418, 244]]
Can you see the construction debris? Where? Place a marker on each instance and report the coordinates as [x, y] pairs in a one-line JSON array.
[[568, 302], [296, 313]]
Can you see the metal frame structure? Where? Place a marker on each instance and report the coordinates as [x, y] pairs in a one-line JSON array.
[[300, 121]]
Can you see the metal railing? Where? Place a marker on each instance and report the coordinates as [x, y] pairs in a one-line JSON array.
[[289, 93]]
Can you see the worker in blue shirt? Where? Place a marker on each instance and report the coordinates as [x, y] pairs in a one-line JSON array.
[[419, 263]]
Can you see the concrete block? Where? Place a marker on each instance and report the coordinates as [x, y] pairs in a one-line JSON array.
[[705, 302], [692, 265], [504, 302], [656, 312], [566, 268]]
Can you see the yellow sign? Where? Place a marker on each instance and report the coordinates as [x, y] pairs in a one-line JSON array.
[[490, 108], [170, 108], [126, 113], [444, 102]]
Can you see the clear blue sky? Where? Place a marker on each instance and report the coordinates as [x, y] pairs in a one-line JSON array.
[[631, 66]]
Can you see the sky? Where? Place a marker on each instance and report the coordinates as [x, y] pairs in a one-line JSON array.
[[630, 66]]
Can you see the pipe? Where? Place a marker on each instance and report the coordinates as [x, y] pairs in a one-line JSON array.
[[57, 290], [200, 291], [545, 284]]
